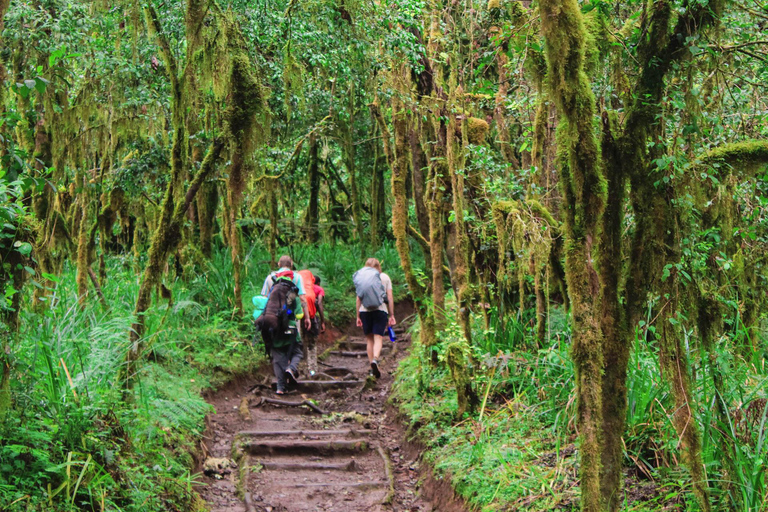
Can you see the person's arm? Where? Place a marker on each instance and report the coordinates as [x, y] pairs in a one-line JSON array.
[[391, 307], [267, 286], [321, 312], [357, 312]]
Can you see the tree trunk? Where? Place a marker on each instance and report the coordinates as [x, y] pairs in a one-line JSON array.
[[234, 198], [348, 151], [83, 263], [207, 204], [613, 324], [457, 133], [311, 227], [377, 190], [420, 165], [398, 162], [584, 197]]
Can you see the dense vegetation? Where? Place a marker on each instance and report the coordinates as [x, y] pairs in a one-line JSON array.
[[574, 194]]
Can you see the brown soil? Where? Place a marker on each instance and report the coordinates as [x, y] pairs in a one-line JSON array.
[[348, 457]]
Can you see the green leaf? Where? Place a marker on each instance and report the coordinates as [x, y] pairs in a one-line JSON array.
[[24, 248], [51, 277]]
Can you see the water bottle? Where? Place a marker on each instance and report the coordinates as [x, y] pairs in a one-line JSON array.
[[391, 334]]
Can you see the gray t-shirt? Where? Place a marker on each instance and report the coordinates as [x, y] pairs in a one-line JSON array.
[[384, 306]]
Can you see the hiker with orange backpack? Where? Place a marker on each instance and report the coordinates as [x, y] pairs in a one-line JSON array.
[[309, 334]]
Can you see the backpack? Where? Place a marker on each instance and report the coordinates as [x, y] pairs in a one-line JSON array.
[[309, 292], [275, 321], [260, 302], [369, 288]]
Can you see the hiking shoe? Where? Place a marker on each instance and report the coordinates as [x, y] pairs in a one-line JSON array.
[[290, 376], [375, 369], [280, 391]]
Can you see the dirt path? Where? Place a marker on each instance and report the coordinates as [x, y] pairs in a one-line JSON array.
[[342, 453]]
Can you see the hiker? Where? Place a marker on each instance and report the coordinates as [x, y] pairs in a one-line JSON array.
[[375, 308], [320, 302], [309, 334], [286, 304]]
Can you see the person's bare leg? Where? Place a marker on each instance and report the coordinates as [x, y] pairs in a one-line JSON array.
[[370, 345], [377, 342]]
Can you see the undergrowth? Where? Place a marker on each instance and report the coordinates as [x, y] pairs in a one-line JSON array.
[[74, 441], [519, 449]]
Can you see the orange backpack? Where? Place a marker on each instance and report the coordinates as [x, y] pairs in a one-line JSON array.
[[309, 291]]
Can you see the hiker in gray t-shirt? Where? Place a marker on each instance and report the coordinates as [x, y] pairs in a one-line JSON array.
[[375, 308]]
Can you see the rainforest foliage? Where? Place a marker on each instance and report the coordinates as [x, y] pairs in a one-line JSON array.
[[573, 195]]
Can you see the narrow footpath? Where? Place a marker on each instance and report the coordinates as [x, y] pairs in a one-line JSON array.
[[329, 445]]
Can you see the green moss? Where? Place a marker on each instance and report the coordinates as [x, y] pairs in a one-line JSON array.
[[747, 156], [477, 130]]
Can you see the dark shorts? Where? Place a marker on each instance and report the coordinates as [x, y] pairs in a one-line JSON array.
[[374, 322]]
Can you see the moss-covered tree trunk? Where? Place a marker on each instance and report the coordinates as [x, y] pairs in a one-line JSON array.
[[377, 193], [207, 204], [655, 241], [272, 192], [584, 196], [613, 322], [456, 137], [83, 244], [311, 227], [349, 157], [397, 155], [418, 176], [234, 199]]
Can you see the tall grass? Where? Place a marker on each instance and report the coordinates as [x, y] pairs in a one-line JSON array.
[[72, 440]]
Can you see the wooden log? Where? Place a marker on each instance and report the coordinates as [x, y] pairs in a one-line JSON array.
[[286, 403], [304, 433], [322, 385], [346, 485], [308, 466], [344, 353], [304, 447]]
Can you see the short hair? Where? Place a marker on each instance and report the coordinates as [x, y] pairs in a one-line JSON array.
[[373, 262], [285, 261], [317, 280]]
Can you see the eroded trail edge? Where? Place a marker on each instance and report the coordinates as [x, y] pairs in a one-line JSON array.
[[330, 444]]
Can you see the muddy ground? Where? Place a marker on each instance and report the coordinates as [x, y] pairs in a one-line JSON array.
[[343, 450]]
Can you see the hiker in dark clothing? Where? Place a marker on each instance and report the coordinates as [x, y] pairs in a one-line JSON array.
[[278, 323]]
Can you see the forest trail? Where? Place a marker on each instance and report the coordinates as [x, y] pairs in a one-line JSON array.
[[344, 455]]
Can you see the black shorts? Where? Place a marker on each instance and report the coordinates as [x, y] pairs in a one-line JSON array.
[[374, 322]]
